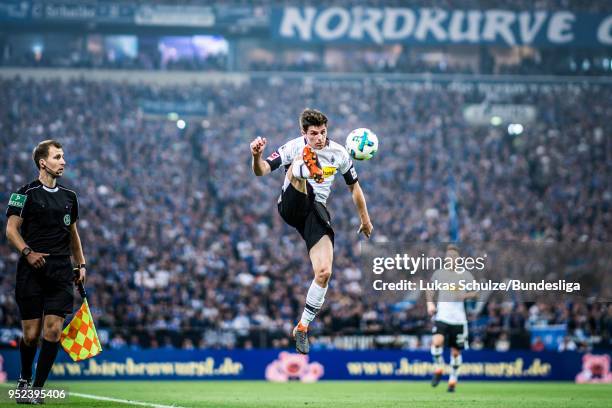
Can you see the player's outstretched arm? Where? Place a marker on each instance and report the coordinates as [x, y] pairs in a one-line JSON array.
[[260, 166], [360, 202]]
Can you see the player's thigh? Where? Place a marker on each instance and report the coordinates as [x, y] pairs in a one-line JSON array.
[[294, 207], [59, 289], [29, 293], [437, 340], [298, 184], [322, 254], [457, 338]]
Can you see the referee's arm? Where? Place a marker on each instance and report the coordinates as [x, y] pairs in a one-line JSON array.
[[36, 259], [77, 252]]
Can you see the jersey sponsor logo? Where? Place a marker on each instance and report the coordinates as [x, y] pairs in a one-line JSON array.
[[17, 200], [329, 171], [67, 219], [273, 156]]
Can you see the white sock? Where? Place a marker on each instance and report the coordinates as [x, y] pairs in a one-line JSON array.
[[314, 301], [438, 359], [300, 170], [455, 363]]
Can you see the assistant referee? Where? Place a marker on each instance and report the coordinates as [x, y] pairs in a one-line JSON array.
[[42, 226]]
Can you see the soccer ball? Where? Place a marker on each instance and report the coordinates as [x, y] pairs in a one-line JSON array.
[[362, 144]]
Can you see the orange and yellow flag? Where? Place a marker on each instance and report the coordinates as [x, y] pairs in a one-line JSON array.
[[79, 338]]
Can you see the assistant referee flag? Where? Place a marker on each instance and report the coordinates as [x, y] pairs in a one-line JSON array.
[[79, 338]]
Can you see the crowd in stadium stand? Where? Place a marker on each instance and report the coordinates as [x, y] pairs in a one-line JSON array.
[[374, 60], [381, 62], [185, 247]]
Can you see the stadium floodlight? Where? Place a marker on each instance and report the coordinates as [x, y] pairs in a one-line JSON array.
[[173, 116], [586, 65], [496, 120], [180, 124], [515, 129]]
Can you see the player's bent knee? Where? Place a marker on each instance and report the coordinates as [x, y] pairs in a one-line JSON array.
[[322, 276], [437, 340]]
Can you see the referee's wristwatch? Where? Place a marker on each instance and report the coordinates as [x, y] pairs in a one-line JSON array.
[[26, 251]]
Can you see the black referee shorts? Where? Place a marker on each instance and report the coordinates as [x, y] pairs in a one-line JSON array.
[[309, 217], [47, 290]]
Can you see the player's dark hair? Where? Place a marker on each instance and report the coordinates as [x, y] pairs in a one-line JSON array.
[[452, 247], [41, 151], [312, 117]]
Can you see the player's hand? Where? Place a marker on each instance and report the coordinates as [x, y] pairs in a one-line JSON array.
[[79, 275], [36, 259], [431, 308], [366, 228], [258, 145]]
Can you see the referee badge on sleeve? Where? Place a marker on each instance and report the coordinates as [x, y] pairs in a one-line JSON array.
[[17, 200]]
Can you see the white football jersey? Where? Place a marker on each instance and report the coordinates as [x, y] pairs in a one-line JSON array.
[[450, 306], [333, 158]]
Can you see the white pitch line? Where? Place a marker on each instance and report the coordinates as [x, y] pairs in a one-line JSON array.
[[122, 401]]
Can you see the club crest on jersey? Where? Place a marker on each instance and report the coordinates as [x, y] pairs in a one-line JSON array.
[[67, 219], [17, 200]]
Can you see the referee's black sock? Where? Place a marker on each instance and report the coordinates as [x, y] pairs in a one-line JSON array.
[[48, 352], [27, 358]]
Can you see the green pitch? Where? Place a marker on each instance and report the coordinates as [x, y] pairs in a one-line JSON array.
[[329, 394]]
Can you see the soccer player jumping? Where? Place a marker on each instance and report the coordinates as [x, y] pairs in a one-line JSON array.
[[311, 162]]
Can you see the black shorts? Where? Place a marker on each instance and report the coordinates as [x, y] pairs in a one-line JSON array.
[[455, 335], [48, 290], [309, 217]]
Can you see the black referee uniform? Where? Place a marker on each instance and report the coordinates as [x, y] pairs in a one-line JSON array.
[[47, 215]]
